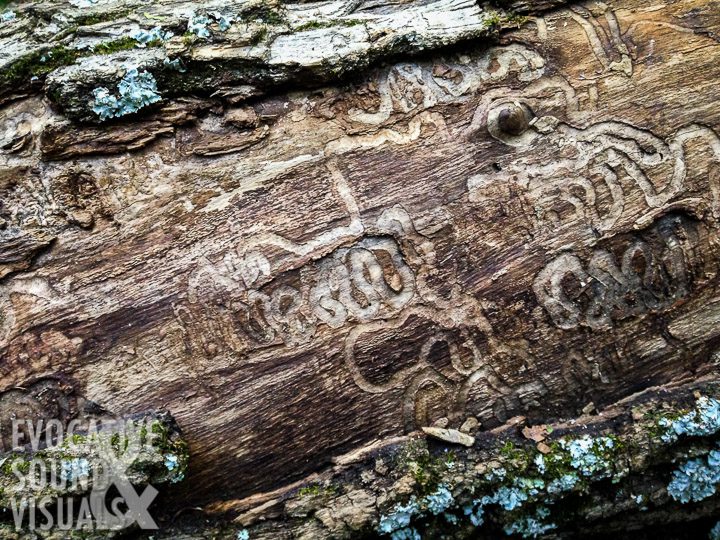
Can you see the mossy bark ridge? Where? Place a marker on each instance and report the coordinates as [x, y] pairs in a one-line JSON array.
[[374, 269]]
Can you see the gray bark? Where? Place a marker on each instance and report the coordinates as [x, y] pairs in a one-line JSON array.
[[307, 231]]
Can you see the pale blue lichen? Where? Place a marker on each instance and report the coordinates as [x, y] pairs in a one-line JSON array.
[[475, 512], [640, 501], [74, 469], [512, 497], [224, 21], [532, 486], [439, 501], [397, 523], [715, 532], [696, 479], [243, 535], [7, 16], [143, 37], [178, 478], [701, 422], [136, 89], [565, 483], [199, 24], [496, 474], [171, 462], [586, 454], [406, 534], [540, 463], [531, 526], [399, 518], [176, 64]]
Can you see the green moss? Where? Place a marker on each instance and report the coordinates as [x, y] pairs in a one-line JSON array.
[[513, 20], [316, 490], [54, 94], [115, 441], [311, 25], [161, 435], [351, 22], [265, 14], [97, 18], [315, 25], [75, 439], [493, 20], [272, 17], [16, 463], [167, 445], [426, 469], [517, 457], [557, 462], [657, 430], [258, 36], [520, 461], [121, 44], [153, 17], [37, 64]]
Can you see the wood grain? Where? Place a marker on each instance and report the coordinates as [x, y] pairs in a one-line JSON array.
[[297, 275]]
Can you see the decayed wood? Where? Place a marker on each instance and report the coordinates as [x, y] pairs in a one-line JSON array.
[[360, 488], [501, 229], [269, 43]]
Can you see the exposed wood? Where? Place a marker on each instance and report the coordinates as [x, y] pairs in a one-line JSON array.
[[297, 264]]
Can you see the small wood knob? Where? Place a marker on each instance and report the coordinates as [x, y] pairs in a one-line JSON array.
[[513, 120]]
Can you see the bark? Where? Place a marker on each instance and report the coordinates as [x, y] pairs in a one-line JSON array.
[[327, 226]]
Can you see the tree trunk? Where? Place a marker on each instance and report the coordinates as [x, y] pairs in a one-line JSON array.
[[309, 231]]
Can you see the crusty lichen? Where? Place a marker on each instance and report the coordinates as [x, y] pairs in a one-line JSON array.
[[581, 475], [144, 450], [36, 64], [259, 44], [525, 492], [137, 89]]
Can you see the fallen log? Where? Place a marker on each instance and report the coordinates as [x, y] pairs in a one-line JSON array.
[[305, 232]]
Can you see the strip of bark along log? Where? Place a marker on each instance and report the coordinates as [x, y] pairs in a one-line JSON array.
[[366, 269]]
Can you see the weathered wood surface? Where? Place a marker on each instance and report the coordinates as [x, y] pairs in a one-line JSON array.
[[505, 229]]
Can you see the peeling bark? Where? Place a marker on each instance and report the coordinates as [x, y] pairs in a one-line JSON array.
[[320, 228]]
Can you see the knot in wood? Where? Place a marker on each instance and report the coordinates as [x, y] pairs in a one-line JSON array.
[[513, 120]]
